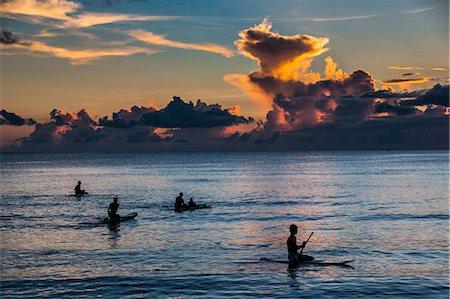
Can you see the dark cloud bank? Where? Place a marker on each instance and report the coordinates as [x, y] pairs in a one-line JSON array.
[[203, 130], [339, 112]]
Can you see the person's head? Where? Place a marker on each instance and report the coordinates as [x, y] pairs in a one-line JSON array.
[[293, 229], [181, 193], [79, 183], [191, 200], [115, 199]]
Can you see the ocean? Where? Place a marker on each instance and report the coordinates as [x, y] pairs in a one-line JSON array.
[[386, 210]]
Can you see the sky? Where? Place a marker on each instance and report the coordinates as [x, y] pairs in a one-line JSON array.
[[269, 75]]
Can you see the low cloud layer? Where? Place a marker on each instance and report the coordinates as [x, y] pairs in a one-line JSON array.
[[173, 124]]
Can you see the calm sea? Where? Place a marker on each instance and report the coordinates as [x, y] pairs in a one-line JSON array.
[[386, 210]]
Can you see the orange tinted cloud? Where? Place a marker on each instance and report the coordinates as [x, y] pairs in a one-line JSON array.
[[404, 67], [439, 69], [400, 67], [332, 72], [92, 19], [64, 10], [281, 56], [76, 56], [161, 40], [54, 9]]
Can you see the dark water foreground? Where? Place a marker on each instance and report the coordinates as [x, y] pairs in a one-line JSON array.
[[386, 210]]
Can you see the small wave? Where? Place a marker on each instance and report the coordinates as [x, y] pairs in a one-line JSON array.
[[375, 217], [340, 196]]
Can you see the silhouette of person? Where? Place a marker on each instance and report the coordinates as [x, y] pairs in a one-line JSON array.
[[294, 257], [191, 203], [112, 210], [78, 190], [179, 202]]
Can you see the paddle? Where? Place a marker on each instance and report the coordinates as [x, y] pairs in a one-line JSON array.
[[301, 251]]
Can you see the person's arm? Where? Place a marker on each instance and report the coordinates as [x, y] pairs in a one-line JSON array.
[[301, 246]]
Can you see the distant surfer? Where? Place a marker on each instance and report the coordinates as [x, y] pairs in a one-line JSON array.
[[78, 191], [112, 211], [294, 257], [191, 203], [179, 202]]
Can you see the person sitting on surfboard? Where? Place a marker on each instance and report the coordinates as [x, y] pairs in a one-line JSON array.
[[179, 202], [293, 255], [78, 190], [191, 203], [112, 210]]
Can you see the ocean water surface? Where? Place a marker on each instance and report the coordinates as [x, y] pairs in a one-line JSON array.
[[388, 211]]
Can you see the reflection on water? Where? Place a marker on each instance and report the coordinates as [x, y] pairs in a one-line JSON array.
[[113, 236], [386, 210]]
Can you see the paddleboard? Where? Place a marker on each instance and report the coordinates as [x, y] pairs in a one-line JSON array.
[[307, 263], [78, 195], [130, 216], [197, 207]]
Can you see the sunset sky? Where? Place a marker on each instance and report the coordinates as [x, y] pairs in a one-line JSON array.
[[103, 56]]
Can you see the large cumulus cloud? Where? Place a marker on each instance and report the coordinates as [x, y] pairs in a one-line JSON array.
[[279, 55], [298, 97]]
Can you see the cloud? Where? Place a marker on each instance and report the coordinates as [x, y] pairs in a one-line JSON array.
[[389, 94], [419, 10], [279, 55], [91, 19], [54, 9], [178, 114], [347, 18], [161, 40], [178, 122], [410, 74], [406, 80], [66, 12], [76, 132], [438, 95], [126, 118], [439, 69], [8, 38], [405, 67], [300, 98], [395, 109], [12, 119], [74, 56], [66, 128]]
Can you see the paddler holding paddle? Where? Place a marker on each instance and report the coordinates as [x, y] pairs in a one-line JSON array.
[[295, 257]]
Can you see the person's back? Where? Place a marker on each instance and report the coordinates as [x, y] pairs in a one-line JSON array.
[[78, 190], [112, 210], [179, 202]]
